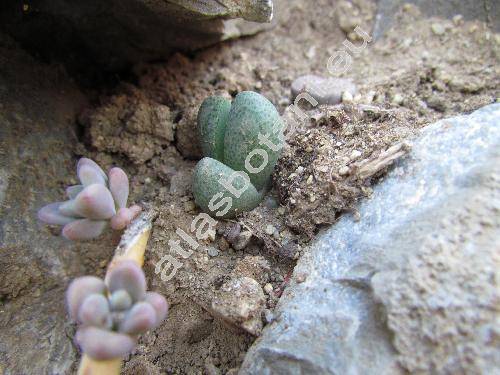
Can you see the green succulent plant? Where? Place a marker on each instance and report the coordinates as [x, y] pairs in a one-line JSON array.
[[241, 143]]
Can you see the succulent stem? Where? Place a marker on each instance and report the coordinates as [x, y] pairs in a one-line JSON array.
[[131, 247], [89, 366]]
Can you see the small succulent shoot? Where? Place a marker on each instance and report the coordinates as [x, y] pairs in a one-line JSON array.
[[99, 199], [232, 135], [111, 314]]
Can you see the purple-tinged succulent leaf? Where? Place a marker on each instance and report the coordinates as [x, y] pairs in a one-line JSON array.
[[122, 218], [120, 300], [81, 288], [95, 202], [50, 214], [160, 305], [129, 276], [100, 344], [140, 318], [88, 175], [68, 208], [118, 185], [94, 311], [72, 191], [86, 162], [84, 229]]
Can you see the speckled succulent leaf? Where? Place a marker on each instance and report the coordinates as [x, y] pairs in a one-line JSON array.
[[72, 191], [120, 300], [206, 186], [81, 288], [50, 214], [101, 344], [129, 276], [84, 229], [140, 318], [212, 121], [94, 311], [160, 305], [118, 185], [251, 114], [95, 202]]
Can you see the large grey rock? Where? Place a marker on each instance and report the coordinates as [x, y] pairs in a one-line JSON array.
[[113, 34], [413, 285], [483, 10]]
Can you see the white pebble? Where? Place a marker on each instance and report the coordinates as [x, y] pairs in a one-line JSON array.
[[268, 288], [347, 97]]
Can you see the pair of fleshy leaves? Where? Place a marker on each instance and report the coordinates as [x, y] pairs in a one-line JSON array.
[[97, 200], [229, 133], [111, 314]]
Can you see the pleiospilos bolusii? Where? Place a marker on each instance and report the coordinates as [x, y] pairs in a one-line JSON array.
[[112, 314], [99, 199], [241, 142]]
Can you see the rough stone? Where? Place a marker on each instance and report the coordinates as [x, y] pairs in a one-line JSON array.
[[115, 34], [241, 302], [242, 240], [324, 90], [412, 286]]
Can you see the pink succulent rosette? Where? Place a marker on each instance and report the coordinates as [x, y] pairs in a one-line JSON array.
[[99, 199], [112, 314]]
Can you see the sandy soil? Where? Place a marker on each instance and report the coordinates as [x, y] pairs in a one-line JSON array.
[[417, 73]]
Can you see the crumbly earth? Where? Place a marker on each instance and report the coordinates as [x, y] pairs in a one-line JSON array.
[[409, 78]]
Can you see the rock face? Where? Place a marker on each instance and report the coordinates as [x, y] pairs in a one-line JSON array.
[[114, 34], [37, 112], [413, 285]]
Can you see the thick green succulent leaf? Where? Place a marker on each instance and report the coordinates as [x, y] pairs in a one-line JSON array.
[[217, 200], [251, 119], [212, 121]]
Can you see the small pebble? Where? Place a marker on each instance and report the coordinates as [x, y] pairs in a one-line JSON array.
[[242, 240], [309, 180], [397, 99], [189, 206], [270, 230], [324, 90], [344, 170], [457, 20], [347, 97], [438, 28], [355, 154], [281, 210], [268, 288], [212, 251]]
